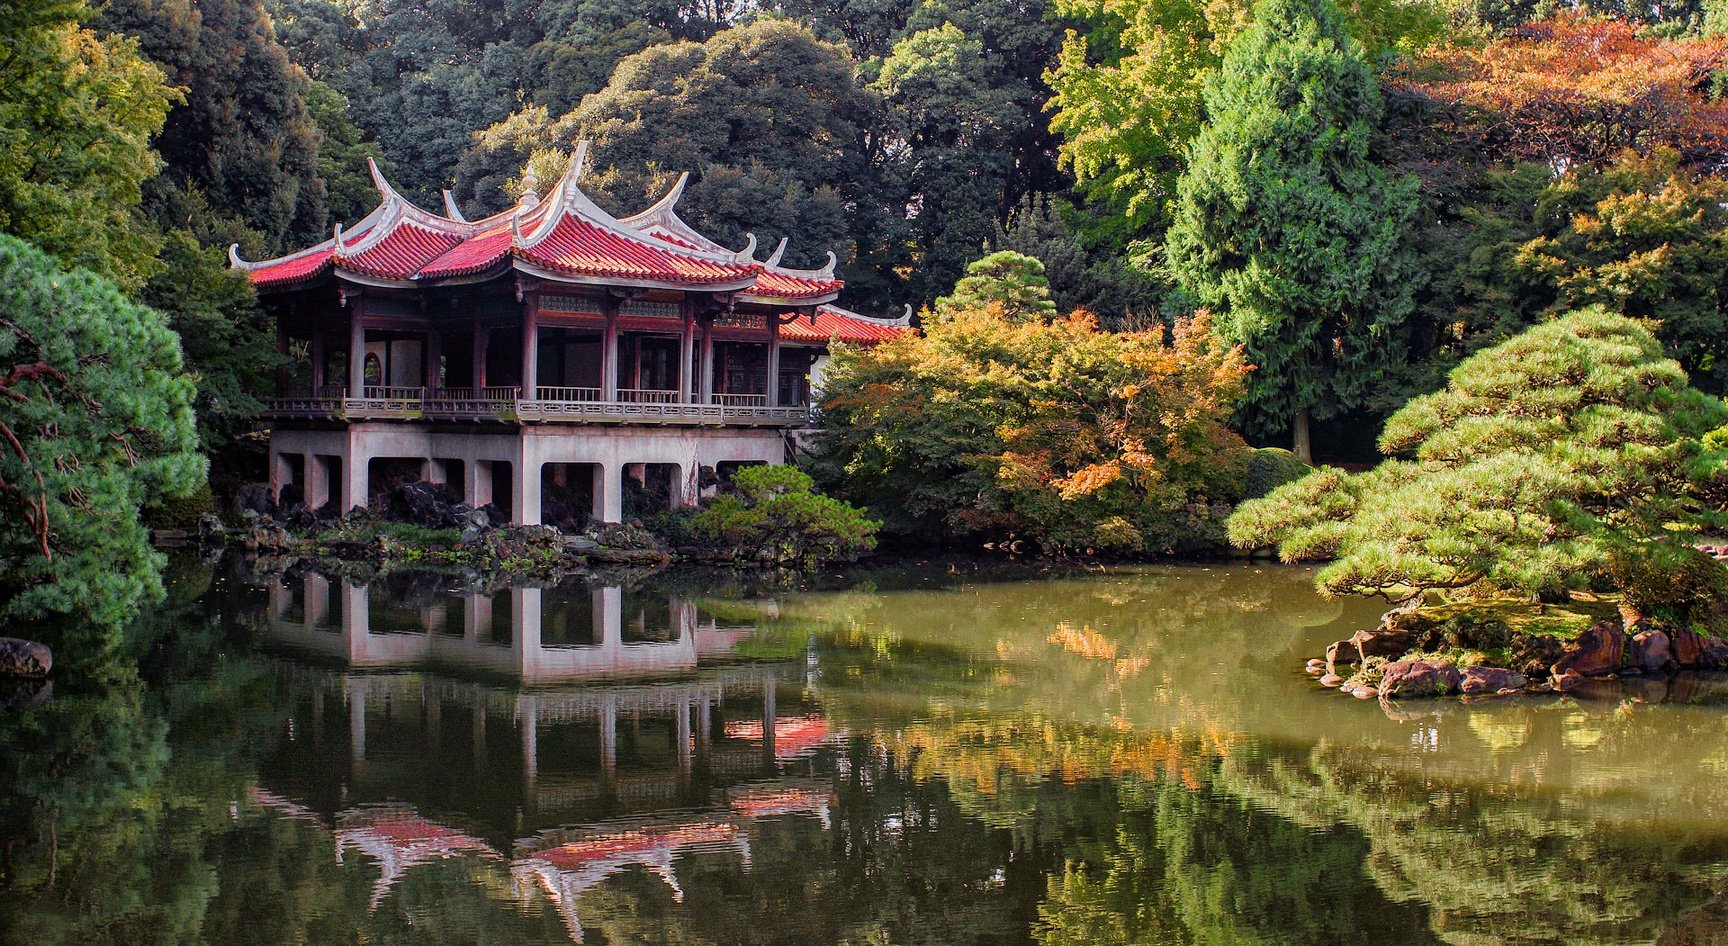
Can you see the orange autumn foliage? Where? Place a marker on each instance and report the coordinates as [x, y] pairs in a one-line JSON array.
[[1576, 89]]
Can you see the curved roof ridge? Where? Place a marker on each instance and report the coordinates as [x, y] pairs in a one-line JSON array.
[[363, 227]]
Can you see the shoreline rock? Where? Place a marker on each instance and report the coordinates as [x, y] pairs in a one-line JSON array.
[[25, 660]]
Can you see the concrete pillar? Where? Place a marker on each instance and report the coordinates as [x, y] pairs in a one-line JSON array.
[[356, 352], [608, 492], [531, 351], [609, 739], [675, 494], [317, 484], [768, 717], [482, 335], [477, 485], [609, 611], [477, 737], [526, 470], [433, 470], [525, 639], [609, 360], [530, 747], [281, 472], [681, 738], [357, 720], [355, 471]]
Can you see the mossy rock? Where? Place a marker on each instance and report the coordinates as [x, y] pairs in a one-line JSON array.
[[1270, 468]]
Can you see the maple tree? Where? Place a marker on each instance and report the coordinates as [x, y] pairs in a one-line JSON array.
[[1576, 89], [987, 426]]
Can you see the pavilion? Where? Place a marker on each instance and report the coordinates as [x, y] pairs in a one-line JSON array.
[[550, 347]]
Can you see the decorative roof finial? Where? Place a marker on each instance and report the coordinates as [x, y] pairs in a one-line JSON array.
[[450, 209], [530, 189], [748, 253], [779, 251]]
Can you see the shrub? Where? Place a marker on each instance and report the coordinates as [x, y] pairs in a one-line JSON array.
[[1270, 468], [1572, 453], [772, 517]]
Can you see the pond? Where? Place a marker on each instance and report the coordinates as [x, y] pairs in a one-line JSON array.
[[940, 754]]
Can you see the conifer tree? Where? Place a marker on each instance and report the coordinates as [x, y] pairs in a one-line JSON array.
[[1286, 227]]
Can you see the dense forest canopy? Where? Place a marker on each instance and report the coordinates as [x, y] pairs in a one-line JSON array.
[[1359, 194]]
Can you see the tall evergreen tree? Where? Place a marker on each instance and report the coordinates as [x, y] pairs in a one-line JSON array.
[[244, 136], [1286, 227]]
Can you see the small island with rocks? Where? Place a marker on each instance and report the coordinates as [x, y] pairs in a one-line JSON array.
[[1542, 520]]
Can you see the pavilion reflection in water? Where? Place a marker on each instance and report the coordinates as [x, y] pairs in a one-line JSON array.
[[628, 733]]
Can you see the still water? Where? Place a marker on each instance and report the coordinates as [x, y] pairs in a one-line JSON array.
[[918, 756]]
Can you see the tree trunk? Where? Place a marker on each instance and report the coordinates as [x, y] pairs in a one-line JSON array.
[[1300, 444]]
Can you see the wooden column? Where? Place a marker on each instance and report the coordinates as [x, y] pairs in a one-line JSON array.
[[317, 359], [434, 355], [686, 355], [773, 360], [482, 335], [531, 347], [609, 352], [707, 371]]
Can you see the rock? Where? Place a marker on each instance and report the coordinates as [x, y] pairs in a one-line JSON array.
[[1650, 650], [1697, 651], [17, 694], [1419, 678], [580, 543], [1365, 693], [1533, 654], [1340, 653], [1382, 642], [1599, 650], [1315, 667], [1479, 680], [1568, 681], [22, 658], [1331, 680], [211, 529]]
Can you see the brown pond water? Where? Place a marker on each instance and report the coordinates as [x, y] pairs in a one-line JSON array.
[[910, 756]]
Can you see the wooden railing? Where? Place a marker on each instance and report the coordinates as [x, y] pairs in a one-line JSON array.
[[554, 405], [544, 393]]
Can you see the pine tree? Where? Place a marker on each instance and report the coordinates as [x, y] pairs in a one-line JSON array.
[[1286, 227]]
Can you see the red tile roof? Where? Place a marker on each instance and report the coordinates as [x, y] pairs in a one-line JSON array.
[[578, 246], [834, 324], [565, 235]]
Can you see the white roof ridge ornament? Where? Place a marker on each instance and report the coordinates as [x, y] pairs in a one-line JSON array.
[[825, 271], [450, 209], [748, 253], [235, 262], [779, 252]]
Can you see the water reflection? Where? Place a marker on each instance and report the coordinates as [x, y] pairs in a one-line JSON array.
[[1113, 758]]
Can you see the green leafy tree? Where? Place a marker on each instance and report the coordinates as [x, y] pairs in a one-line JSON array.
[[765, 112], [1128, 89], [1287, 228], [1644, 237], [97, 418], [342, 152], [77, 112], [1563, 457], [1013, 281], [1081, 275], [243, 138], [956, 126]]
